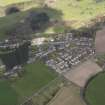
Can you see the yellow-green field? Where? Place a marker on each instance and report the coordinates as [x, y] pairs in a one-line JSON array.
[[68, 13], [8, 2], [80, 10]]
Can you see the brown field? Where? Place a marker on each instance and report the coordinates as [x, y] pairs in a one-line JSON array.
[[69, 95], [82, 73], [100, 41]]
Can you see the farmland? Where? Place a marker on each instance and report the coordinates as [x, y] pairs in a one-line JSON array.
[[7, 2], [95, 90], [8, 96], [68, 95], [81, 10], [100, 41], [35, 77], [82, 73], [68, 13]]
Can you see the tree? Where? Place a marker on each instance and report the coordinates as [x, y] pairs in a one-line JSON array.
[[17, 56], [37, 20], [12, 10]]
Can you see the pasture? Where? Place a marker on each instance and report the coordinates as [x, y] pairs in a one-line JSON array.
[[8, 2], [67, 14], [8, 95], [95, 90], [35, 76], [83, 72]]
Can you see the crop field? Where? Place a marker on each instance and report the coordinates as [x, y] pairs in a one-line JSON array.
[[68, 95], [83, 72], [95, 90], [35, 77], [100, 41]]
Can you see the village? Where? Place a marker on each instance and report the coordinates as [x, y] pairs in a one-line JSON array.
[[65, 51]]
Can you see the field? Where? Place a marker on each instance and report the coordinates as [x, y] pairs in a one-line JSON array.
[[8, 96], [36, 76], [68, 13], [100, 41], [68, 95], [95, 90], [7, 2], [81, 10], [77, 13], [82, 73]]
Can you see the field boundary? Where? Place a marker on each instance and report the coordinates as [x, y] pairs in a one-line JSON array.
[[83, 90], [58, 79]]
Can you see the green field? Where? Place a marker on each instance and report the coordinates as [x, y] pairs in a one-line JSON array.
[[8, 96], [7, 2], [95, 92], [80, 10], [35, 77], [74, 13]]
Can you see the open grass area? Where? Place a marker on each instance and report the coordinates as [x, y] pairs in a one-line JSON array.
[[80, 10], [95, 92], [7, 2], [35, 77], [69, 13], [8, 96]]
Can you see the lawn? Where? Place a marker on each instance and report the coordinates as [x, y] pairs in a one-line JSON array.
[[95, 92], [36, 76]]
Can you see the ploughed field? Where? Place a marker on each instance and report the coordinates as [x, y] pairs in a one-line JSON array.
[[35, 77], [95, 91]]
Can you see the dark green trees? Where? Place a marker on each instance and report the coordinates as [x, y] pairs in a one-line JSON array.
[[17, 56], [37, 20]]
